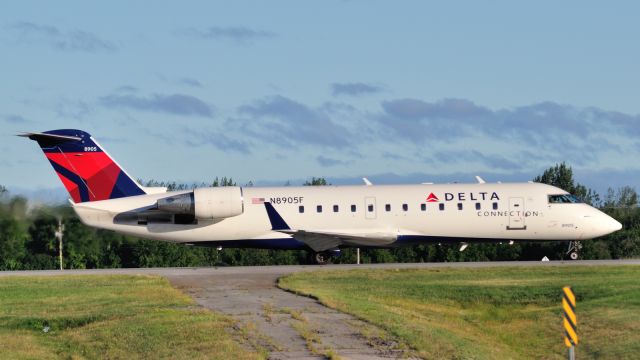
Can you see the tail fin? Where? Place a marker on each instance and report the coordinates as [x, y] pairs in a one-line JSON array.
[[85, 169]]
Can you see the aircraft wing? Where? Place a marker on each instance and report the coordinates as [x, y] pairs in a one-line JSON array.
[[317, 241], [327, 240]]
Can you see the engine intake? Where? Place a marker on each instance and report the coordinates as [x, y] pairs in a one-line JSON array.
[[205, 203]]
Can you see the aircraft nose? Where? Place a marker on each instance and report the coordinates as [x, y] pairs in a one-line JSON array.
[[614, 225], [608, 224], [599, 224]]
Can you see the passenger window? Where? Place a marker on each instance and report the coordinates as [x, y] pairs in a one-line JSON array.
[[335, 208], [370, 207], [301, 209], [405, 207], [423, 207], [387, 207], [319, 208], [353, 208], [441, 206], [495, 206], [459, 206], [478, 206]]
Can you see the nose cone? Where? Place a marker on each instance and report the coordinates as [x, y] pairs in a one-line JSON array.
[[605, 225], [611, 224]]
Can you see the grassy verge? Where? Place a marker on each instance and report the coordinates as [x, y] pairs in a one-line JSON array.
[[115, 317], [492, 313]]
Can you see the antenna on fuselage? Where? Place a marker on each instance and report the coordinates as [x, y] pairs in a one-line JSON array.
[[480, 180], [366, 181]]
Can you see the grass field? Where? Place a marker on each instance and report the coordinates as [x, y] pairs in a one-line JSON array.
[[489, 313], [108, 317]]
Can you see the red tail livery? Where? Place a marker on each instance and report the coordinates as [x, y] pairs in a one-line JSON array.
[[85, 169]]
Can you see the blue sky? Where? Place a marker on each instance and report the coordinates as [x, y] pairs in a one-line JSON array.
[[406, 91]]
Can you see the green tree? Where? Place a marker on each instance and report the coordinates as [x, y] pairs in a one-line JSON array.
[[316, 182], [622, 205], [13, 231], [626, 197], [13, 238], [82, 249], [223, 181], [561, 176], [42, 244], [17, 207]]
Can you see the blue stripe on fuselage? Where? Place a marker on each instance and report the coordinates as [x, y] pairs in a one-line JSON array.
[[293, 244]]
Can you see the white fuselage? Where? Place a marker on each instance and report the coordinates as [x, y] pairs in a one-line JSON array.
[[379, 215]]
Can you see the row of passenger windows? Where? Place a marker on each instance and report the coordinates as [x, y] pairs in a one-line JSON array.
[[387, 207]]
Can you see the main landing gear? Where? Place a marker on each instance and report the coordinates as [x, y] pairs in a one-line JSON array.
[[574, 250], [325, 257]]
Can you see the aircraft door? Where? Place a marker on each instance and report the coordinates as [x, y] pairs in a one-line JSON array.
[[516, 214], [370, 207]]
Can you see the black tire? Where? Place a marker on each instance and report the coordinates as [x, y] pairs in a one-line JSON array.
[[322, 258], [573, 255]]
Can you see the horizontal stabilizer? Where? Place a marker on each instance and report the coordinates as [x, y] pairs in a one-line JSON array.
[[54, 138]]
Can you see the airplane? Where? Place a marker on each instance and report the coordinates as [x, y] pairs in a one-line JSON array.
[[321, 219]]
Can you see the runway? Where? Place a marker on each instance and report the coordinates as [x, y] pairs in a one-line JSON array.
[[250, 295], [281, 270]]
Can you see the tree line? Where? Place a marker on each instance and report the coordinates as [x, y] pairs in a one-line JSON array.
[[28, 241]]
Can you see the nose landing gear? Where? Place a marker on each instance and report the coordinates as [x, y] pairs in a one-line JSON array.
[[574, 250]]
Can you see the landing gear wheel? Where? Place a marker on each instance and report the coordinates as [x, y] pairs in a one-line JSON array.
[[574, 250], [322, 258]]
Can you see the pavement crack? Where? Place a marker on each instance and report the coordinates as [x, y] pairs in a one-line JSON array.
[[284, 325]]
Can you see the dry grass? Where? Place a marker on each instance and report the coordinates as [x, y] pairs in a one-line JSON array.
[[295, 314]]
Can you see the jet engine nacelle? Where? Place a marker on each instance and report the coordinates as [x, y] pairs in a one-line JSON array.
[[205, 203]]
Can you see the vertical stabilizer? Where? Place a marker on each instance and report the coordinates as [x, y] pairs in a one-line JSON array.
[[85, 169]]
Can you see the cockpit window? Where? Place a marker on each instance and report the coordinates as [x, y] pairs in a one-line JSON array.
[[564, 199]]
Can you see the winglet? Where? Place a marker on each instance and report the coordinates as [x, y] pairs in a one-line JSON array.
[[277, 222]]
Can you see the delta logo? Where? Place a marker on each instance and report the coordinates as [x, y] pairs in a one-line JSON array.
[[432, 198], [464, 196]]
